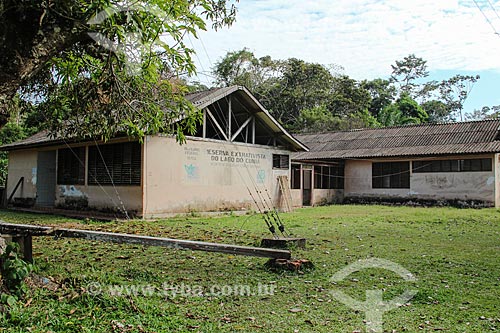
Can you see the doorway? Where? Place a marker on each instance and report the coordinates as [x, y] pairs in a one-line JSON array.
[[46, 178], [306, 187]]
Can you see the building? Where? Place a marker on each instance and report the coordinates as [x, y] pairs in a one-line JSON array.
[[232, 163], [429, 162]]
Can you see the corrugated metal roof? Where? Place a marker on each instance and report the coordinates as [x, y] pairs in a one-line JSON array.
[[414, 140], [201, 100], [38, 139], [206, 97]]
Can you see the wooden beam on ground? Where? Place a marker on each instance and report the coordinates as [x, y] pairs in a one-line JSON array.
[[34, 230]]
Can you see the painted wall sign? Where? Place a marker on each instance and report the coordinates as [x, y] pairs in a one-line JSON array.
[[192, 171], [234, 156], [261, 176], [191, 153]]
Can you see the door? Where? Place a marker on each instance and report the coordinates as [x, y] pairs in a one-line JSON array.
[[46, 178], [306, 187]]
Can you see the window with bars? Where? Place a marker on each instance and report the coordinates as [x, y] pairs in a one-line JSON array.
[[465, 165], [71, 166], [329, 177], [295, 180], [391, 175], [115, 164], [281, 161]]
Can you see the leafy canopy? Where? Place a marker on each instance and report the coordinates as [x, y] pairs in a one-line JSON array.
[[128, 82]]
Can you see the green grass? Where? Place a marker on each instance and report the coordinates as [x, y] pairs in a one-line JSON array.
[[454, 254]]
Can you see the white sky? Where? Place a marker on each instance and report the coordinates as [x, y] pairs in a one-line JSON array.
[[366, 36]]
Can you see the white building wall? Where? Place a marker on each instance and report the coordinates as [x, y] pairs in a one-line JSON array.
[[208, 175], [358, 181], [22, 163], [435, 186]]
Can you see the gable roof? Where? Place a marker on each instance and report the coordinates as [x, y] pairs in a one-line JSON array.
[[414, 140], [200, 100], [205, 98]]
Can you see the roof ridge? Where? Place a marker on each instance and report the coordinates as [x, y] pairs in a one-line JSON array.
[[402, 126]]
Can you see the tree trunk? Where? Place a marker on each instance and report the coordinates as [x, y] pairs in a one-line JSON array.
[[25, 48]]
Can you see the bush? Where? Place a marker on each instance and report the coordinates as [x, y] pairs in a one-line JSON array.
[[14, 271]]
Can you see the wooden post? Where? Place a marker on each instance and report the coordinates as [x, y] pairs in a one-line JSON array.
[[25, 245], [229, 116], [204, 123], [34, 230]]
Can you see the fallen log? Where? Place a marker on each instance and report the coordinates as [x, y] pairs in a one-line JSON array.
[[35, 230]]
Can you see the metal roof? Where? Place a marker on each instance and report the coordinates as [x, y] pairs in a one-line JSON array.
[[414, 140], [200, 100], [39, 139]]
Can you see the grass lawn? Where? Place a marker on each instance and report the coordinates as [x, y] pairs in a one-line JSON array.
[[454, 254]]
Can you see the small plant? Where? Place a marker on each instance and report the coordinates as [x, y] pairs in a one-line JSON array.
[[13, 271]]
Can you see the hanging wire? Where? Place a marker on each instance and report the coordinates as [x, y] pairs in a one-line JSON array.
[[112, 181], [82, 163], [486, 17], [264, 211]]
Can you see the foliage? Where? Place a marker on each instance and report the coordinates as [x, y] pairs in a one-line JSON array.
[[382, 93], [308, 97], [405, 72], [437, 111], [347, 97], [317, 119], [392, 116], [485, 113], [302, 85], [13, 271], [296, 92], [410, 108], [452, 252], [455, 91], [403, 112], [243, 68], [82, 88]]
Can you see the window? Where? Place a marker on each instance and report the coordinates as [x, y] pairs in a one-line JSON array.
[[391, 175], [329, 177], [71, 166], [483, 164], [115, 164], [280, 161], [295, 176]]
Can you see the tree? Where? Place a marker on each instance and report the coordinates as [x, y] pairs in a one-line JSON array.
[[484, 113], [243, 68], [404, 111], [301, 86], [260, 75], [437, 110], [382, 94], [455, 91], [348, 97], [124, 83], [316, 119], [411, 109], [320, 119], [297, 92], [407, 71]]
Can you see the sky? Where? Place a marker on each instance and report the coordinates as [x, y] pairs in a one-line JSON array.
[[366, 36]]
